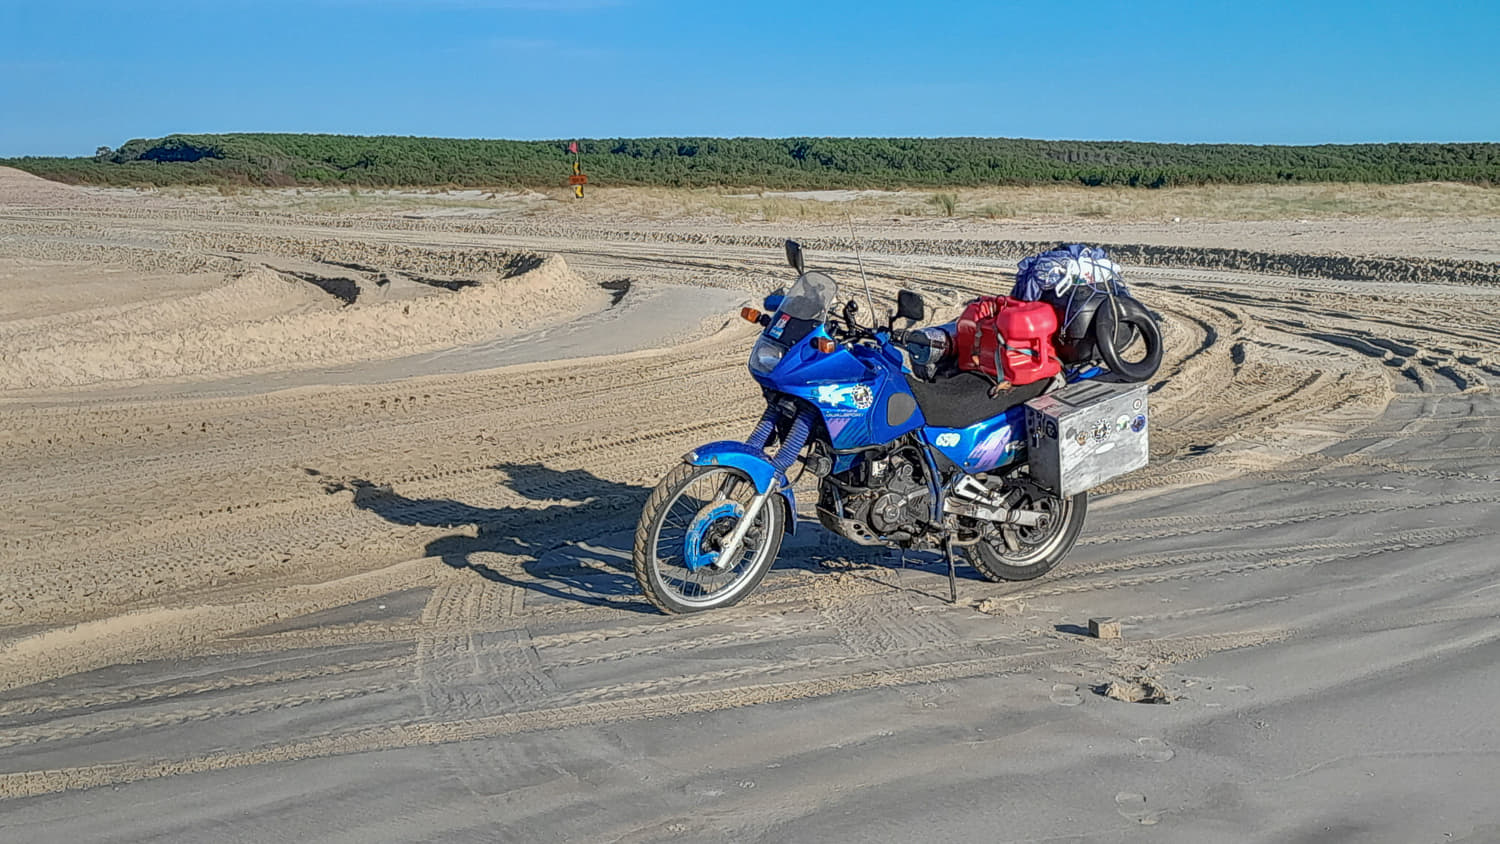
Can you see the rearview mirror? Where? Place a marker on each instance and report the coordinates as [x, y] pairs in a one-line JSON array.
[[794, 256], [910, 306]]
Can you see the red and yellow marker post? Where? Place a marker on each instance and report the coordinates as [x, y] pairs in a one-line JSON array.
[[577, 180]]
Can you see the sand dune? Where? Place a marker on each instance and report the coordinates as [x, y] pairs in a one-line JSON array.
[[260, 320], [19, 188]]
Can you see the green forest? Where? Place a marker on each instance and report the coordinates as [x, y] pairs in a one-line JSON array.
[[778, 163]]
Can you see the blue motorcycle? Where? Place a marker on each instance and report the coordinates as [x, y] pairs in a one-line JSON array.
[[936, 462]]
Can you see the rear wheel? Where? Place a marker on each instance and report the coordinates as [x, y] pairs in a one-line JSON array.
[[685, 522], [1019, 552]]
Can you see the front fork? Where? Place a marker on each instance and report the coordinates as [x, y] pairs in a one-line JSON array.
[[791, 446]]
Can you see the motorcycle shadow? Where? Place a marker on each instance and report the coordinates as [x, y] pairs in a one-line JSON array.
[[576, 548], [538, 548]]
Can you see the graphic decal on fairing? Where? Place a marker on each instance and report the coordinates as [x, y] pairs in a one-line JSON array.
[[774, 332], [837, 424], [857, 396], [992, 450], [948, 440]]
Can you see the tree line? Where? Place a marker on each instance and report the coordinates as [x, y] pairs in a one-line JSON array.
[[778, 163]]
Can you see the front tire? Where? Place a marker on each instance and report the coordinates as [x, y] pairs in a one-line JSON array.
[[689, 512], [1036, 549]]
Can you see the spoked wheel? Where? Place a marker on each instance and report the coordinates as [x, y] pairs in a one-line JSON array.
[[1020, 552], [683, 526]]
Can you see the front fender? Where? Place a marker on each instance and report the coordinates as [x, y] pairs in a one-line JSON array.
[[753, 462]]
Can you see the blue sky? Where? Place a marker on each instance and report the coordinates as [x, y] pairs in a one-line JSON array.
[[75, 75]]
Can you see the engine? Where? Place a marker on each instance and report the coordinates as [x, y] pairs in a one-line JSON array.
[[885, 496]]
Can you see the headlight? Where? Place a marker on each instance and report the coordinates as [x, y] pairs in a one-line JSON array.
[[765, 355]]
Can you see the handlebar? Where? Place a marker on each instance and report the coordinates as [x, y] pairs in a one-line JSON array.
[[856, 333], [852, 332]]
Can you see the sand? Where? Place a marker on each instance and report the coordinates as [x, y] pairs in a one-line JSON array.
[[279, 565]]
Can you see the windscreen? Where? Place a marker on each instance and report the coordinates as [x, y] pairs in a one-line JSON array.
[[811, 295]]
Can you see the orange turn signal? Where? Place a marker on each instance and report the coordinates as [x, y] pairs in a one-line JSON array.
[[824, 345], [749, 314]]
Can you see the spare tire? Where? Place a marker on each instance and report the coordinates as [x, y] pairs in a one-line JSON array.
[[1116, 327]]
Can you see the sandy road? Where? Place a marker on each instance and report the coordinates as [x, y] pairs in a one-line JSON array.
[[404, 610]]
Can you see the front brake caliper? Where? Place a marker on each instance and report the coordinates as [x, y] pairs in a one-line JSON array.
[[708, 529]]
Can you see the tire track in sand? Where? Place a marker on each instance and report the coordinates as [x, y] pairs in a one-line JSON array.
[[632, 707], [33, 783]]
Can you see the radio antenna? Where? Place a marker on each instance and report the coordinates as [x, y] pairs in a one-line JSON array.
[[869, 300]]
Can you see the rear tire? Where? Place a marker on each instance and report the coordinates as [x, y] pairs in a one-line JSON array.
[[1116, 326], [1039, 548], [686, 514]]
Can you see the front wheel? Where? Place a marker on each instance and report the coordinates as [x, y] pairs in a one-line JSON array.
[[684, 524], [1016, 552]]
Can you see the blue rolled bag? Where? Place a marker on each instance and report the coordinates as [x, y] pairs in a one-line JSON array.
[[1097, 317]]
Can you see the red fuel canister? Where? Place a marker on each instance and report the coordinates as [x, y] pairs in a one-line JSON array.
[[1008, 338]]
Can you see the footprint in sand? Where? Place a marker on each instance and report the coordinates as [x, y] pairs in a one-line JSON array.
[[1133, 806], [1064, 694], [1153, 749]]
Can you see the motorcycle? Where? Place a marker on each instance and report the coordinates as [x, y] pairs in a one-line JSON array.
[[901, 460]]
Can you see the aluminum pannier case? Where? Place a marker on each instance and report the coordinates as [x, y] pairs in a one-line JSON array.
[[1087, 433]]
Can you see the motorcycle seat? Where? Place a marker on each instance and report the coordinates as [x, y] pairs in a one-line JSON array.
[[960, 400]]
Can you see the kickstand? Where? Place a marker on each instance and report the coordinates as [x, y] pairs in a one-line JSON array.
[[952, 575]]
